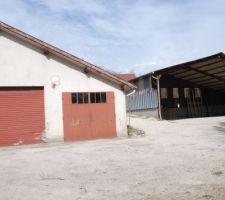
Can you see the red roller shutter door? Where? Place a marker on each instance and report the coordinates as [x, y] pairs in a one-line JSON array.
[[21, 115]]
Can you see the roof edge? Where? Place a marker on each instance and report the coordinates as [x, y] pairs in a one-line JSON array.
[[184, 64], [63, 54]]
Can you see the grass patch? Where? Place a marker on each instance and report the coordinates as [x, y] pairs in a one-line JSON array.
[[131, 131]]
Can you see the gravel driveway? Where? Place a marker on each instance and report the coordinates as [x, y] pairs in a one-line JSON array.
[[183, 159]]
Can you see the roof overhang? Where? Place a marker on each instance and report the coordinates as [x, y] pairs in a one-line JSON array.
[[49, 49], [206, 72]]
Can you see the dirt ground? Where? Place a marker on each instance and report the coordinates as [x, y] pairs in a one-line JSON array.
[[183, 159]]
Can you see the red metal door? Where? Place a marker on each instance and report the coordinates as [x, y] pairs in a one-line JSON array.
[[89, 120], [102, 120], [21, 115]]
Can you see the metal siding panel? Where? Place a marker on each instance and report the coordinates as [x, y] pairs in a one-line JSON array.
[[145, 99], [148, 102]]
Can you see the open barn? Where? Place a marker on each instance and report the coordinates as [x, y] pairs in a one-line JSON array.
[[193, 89]]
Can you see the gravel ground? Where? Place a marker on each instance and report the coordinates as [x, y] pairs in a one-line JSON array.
[[183, 159]]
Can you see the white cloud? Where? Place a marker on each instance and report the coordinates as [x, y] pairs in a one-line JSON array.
[[119, 34]]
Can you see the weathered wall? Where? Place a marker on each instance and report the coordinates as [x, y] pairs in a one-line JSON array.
[[24, 65]]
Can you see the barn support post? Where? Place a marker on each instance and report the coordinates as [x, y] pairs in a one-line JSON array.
[[158, 95]]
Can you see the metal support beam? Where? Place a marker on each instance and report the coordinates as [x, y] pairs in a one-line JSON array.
[[159, 96]]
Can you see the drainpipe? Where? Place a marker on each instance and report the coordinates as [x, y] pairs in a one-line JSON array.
[[132, 92], [159, 96]]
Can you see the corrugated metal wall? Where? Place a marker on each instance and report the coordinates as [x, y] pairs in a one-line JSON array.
[[144, 99]]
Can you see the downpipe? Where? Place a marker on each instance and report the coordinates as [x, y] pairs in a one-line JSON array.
[[129, 109]]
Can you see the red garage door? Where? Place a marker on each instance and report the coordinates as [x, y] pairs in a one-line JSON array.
[[21, 115], [89, 115]]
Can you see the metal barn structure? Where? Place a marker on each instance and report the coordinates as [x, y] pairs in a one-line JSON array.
[[191, 89]]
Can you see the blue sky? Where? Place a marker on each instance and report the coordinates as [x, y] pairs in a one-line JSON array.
[[124, 35]]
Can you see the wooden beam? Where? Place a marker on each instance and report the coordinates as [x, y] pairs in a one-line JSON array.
[[189, 66], [219, 72], [217, 67], [212, 80], [177, 71], [198, 77], [208, 74], [86, 70], [187, 75], [201, 75], [46, 52], [123, 87]]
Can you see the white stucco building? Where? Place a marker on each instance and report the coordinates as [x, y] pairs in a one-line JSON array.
[[48, 94]]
